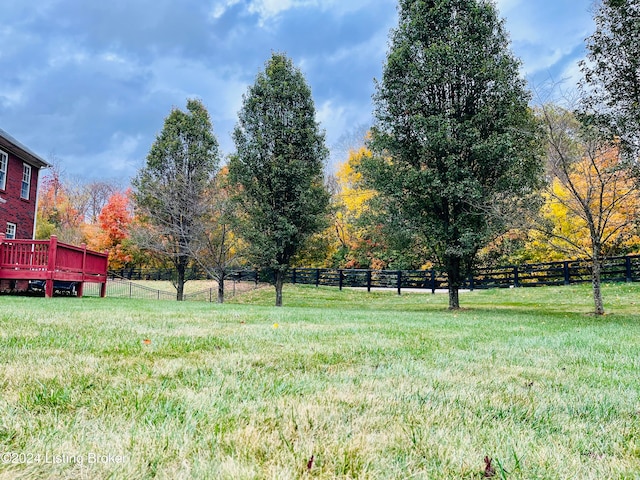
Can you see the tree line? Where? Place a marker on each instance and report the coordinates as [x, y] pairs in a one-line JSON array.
[[457, 170]]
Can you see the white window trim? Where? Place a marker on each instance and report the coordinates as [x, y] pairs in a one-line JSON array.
[[4, 167], [25, 168], [11, 235]]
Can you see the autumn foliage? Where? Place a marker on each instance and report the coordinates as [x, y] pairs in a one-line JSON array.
[[57, 213], [114, 221]]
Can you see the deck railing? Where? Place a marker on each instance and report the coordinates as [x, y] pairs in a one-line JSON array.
[[51, 260]]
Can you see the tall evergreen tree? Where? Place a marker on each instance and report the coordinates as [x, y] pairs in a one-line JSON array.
[[611, 83], [457, 145], [169, 191], [279, 167]]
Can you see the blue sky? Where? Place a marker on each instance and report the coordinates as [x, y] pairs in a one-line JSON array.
[[89, 83]]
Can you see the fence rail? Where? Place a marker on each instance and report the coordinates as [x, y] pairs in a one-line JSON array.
[[615, 269], [50, 260], [123, 288]]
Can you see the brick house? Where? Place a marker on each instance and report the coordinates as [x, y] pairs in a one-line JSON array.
[[19, 172]]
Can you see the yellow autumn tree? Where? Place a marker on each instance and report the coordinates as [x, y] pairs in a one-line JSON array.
[[593, 200], [352, 202], [358, 238]]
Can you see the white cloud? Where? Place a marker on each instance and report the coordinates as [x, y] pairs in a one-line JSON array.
[[271, 8], [220, 8]]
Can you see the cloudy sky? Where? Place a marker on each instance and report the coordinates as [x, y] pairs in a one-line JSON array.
[[89, 83]]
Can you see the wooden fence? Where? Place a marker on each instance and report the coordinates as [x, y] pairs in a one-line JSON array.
[[615, 269]]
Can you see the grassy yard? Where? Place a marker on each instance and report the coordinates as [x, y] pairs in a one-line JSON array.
[[335, 385]]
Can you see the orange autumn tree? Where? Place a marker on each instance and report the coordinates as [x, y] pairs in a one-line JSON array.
[[113, 234], [56, 214]]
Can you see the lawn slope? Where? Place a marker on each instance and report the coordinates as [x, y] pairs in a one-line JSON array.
[[334, 385]]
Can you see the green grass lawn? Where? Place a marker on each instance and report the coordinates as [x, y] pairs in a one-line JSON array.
[[372, 385]]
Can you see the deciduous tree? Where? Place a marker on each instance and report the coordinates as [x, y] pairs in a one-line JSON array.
[[219, 249], [278, 167], [593, 200], [114, 221], [57, 213], [611, 83], [169, 191], [457, 146]]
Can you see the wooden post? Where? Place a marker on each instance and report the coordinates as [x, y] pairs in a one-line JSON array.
[[103, 290], [293, 276], [368, 280], [51, 266], [516, 277], [84, 266], [340, 279], [627, 264], [567, 276], [399, 274], [317, 277], [433, 281]]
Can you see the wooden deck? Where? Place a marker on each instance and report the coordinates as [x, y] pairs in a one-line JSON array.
[[51, 260]]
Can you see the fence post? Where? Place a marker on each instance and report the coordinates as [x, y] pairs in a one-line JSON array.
[[516, 277], [255, 272], [399, 273], [340, 279], [627, 265], [433, 282], [293, 276], [368, 280], [471, 284], [317, 277], [567, 276]]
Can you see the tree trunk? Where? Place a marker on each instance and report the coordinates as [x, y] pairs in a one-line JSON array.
[[279, 284], [221, 289], [180, 282], [454, 299], [453, 276], [596, 271]]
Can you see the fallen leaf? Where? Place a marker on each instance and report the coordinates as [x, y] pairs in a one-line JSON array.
[[489, 471]]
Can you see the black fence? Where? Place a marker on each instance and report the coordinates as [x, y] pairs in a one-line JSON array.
[[615, 269]]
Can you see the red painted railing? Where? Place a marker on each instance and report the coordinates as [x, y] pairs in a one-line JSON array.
[[51, 260]]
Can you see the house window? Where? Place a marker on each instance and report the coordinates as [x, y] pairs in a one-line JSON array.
[[4, 161], [11, 231], [26, 181]]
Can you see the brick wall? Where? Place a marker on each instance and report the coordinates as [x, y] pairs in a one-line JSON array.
[[17, 210]]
